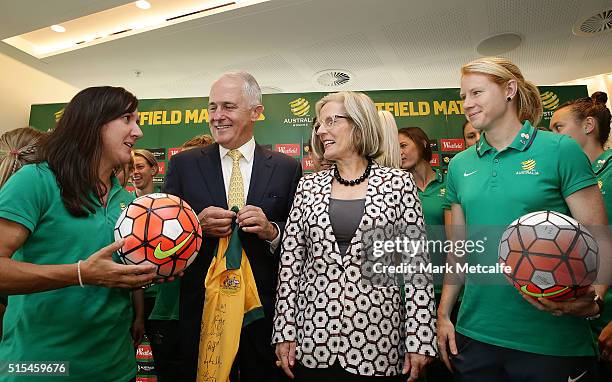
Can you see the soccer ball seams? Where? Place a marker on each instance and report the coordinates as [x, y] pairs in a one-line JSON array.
[[548, 259], [159, 222]]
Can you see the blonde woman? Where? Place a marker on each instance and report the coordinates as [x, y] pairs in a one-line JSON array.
[[500, 335], [330, 324], [145, 168], [17, 148], [390, 147]]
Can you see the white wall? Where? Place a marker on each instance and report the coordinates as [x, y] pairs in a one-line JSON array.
[[21, 86]]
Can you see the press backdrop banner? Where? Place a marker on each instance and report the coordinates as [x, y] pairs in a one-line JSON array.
[[285, 125]]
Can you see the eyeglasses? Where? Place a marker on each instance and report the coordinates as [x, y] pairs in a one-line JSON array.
[[330, 122]]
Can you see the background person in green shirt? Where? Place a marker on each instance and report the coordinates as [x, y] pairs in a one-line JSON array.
[[17, 148], [69, 300], [587, 120], [470, 134], [416, 155], [145, 168], [500, 335]]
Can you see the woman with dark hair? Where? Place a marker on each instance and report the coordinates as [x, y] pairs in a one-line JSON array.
[[416, 155], [69, 300], [587, 120], [470, 134]]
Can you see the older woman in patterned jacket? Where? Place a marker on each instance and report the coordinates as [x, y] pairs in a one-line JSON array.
[[333, 322]]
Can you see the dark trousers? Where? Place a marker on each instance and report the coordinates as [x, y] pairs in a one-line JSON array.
[[165, 346], [256, 360], [480, 362], [149, 304], [336, 373]]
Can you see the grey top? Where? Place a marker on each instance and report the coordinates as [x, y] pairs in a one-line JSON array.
[[345, 216]]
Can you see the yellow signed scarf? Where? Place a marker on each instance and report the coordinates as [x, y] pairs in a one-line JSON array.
[[231, 302]]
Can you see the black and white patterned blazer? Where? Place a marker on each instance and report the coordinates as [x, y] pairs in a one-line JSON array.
[[322, 301]]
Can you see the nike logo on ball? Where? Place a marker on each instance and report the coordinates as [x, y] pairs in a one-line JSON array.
[[465, 173], [570, 379], [160, 254]]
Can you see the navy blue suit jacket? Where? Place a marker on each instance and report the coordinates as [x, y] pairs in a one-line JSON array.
[[196, 176]]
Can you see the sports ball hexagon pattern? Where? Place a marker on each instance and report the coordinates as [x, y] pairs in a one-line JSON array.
[[160, 229], [550, 255]]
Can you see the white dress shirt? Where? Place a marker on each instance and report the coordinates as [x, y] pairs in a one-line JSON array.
[[246, 169]]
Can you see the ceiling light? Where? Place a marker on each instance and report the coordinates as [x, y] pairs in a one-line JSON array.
[[143, 4], [499, 44], [115, 23], [58, 28]]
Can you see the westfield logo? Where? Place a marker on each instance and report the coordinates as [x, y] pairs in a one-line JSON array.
[[291, 149], [452, 144]]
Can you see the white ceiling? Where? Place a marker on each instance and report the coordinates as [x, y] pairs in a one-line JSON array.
[[385, 44]]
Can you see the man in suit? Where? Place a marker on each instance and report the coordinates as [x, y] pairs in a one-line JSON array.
[[206, 178]]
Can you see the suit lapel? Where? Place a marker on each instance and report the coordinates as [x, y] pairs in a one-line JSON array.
[[260, 175], [212, 175]]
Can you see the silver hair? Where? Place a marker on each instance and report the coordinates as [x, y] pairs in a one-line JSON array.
[[251, 88]]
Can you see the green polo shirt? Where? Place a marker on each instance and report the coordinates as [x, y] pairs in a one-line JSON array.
[[536, 172], [433, 203], [87, 327], [167, 301], [433, 200], [602, 167]]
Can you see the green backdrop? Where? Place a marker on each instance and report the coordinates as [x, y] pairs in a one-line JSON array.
[[286, 121]]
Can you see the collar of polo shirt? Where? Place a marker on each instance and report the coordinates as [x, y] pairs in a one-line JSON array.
[[521, 142]]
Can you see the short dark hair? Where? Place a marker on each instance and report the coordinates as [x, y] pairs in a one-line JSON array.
[[74, 148], [420, 139]]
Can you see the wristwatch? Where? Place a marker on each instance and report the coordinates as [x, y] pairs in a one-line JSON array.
[[600, 303]]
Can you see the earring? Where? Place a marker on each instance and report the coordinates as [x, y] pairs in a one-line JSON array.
[[509, 99]]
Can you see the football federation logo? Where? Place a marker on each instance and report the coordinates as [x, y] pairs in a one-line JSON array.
[[299, 107], [58, 114], [230, 283], [528, 165], [550, 101]]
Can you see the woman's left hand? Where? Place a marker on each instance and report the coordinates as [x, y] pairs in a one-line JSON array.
[[138, 329], [415, 363]]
